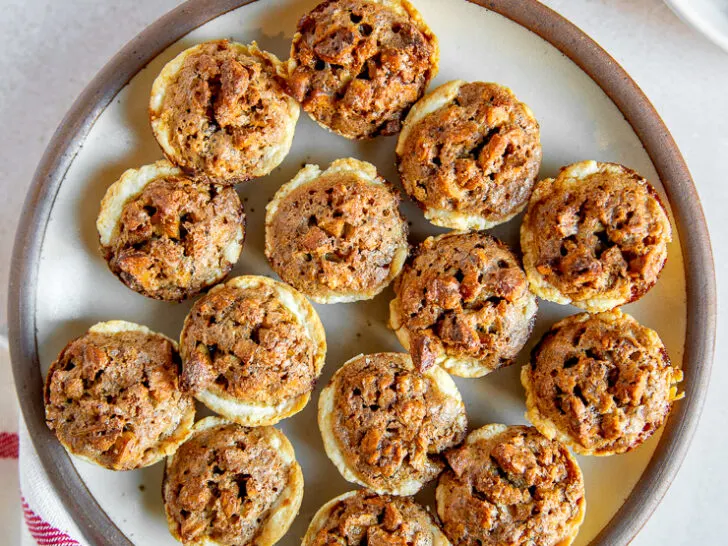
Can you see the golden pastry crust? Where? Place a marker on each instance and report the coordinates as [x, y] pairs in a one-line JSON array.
[[252, 350], [595, 236], [511, 485], [385, 424], [167, 236], [220, 111], [366, 518], [229, 485], [336, 235], [602, 384], [357, 66], [113, 398], [469, 154], [463, 302]]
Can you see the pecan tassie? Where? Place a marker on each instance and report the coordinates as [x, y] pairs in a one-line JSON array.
[[357, 66]]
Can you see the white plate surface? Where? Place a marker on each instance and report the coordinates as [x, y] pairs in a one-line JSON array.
[[577, 121]]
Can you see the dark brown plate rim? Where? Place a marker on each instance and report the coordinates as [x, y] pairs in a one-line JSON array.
[[95, 524]]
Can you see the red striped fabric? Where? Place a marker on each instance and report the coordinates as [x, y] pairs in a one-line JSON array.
[[8, 445], [43, 532]]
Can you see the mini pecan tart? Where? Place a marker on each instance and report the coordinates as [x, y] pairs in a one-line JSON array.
[[385, 424], [113, 397], [252, 350], [462, 301], [357, 66], [361, 518], [602, 384], [511, 485], [229, 485], [336, 235], [595, 236], [469, 154], [220, 111], [167, 236]]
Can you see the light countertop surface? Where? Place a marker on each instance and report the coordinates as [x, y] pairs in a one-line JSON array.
[[51, 50]]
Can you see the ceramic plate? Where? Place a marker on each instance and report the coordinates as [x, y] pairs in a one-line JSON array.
[[710, 17], [588, 108]]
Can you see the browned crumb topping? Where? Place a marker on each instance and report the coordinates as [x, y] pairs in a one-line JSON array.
[[478, 154], [392, 422], [465, 294], [115, 398], [244, 343], [517, 488], [360, 66], [607, 232], [366, 518], [337, 234], [171, 239], [223, 483], [605, 381], [225, 111]]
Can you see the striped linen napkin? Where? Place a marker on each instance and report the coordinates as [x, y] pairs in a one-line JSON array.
[[30, 511]]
